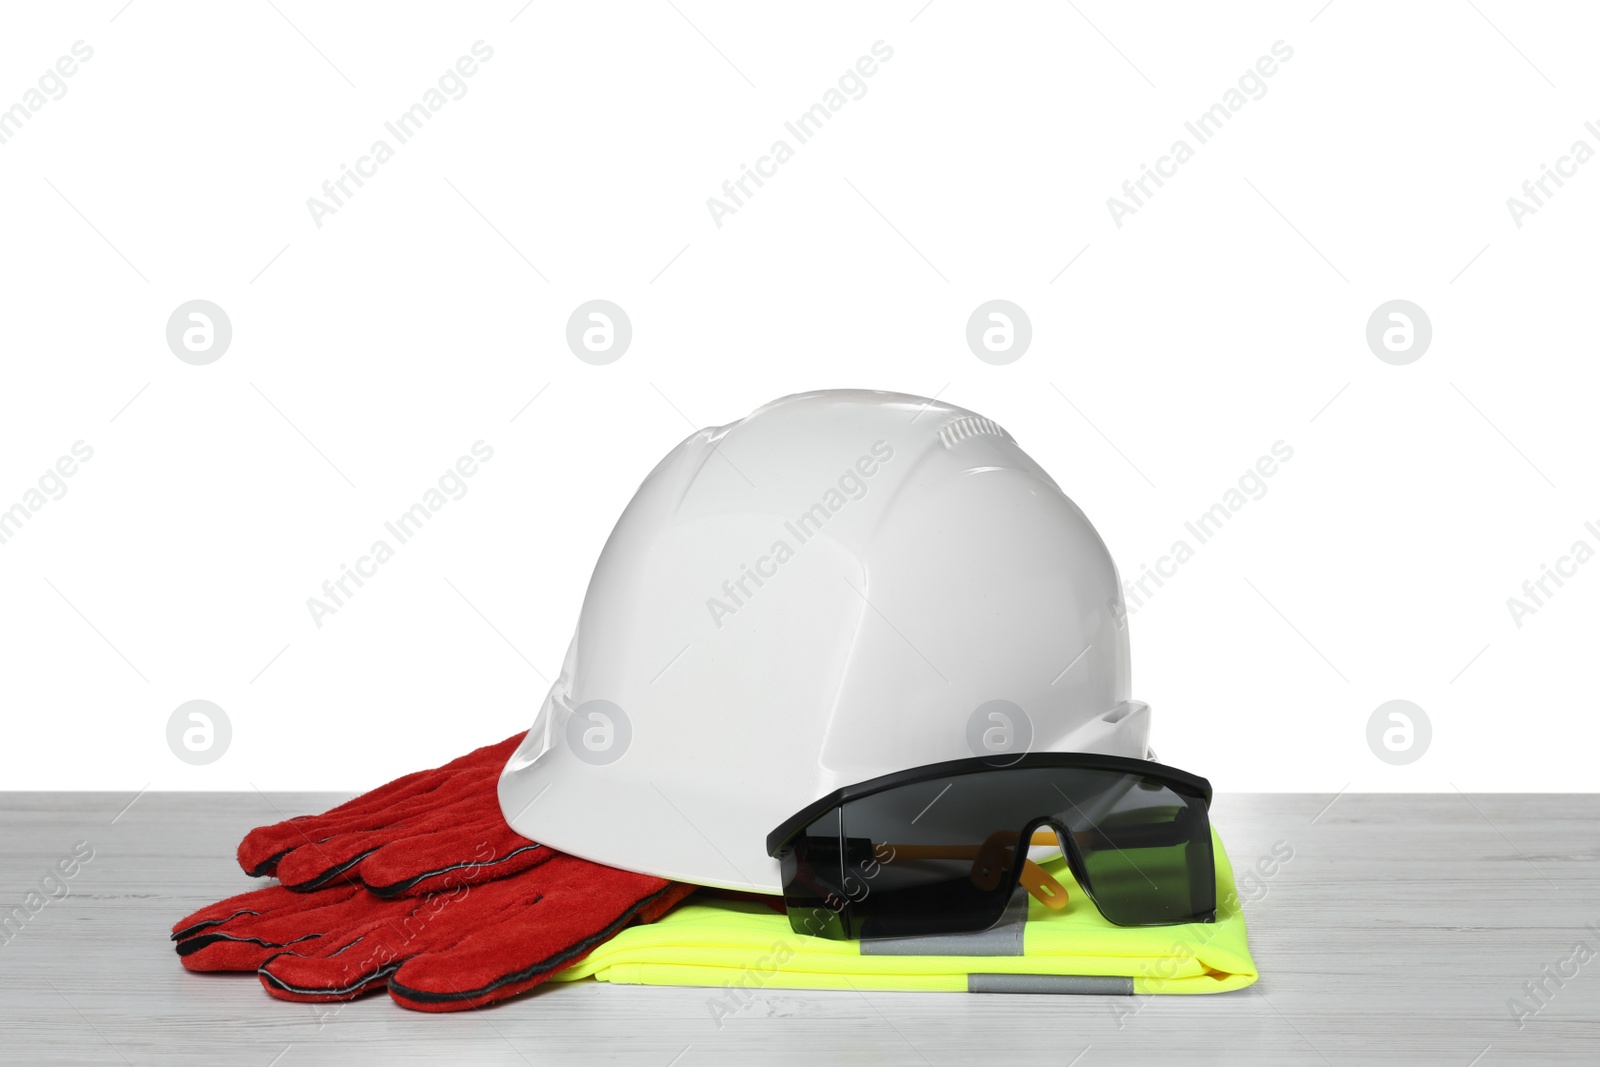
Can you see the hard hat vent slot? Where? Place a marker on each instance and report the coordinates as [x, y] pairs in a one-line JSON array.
[[969, 426]]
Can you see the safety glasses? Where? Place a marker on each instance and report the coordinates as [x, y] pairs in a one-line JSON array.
[[941, 849]]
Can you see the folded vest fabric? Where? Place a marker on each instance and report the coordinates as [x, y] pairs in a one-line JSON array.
[[744, 945]]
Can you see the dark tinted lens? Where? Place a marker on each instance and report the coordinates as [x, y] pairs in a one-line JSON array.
[[813, 891], [931, 858], [943, 856], [1145, 854]]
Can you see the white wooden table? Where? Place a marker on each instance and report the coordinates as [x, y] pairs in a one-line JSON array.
[[1399, 931]]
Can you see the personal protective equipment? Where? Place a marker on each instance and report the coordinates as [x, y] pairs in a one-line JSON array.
[[446, 951], [419, 833], [738, 949], [418, 887], [938, 849], [839, 586]]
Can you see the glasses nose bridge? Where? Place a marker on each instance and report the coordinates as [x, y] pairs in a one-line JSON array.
[[1028, 837], [1062, 839], [1051, 822]]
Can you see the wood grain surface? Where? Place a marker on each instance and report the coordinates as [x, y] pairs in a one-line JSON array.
[[1400, 931]]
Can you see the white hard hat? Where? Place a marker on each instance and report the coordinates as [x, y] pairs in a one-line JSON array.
[[841, 585]]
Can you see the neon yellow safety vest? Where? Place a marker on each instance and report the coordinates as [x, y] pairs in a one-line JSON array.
[[743, 945]]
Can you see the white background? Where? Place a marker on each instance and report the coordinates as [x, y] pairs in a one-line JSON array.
[[368, 354]]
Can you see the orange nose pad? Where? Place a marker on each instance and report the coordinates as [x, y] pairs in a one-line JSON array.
[[1045, 889]]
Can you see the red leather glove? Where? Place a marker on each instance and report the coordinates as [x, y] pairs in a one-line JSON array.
[[420, 833], [447, 951]]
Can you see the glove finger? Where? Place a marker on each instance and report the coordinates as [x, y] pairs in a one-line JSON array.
[[442, 859], [316, 864], [509, 950], [254, 902], [328, 862], [361, 958], [242, 939], [264, 847]]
